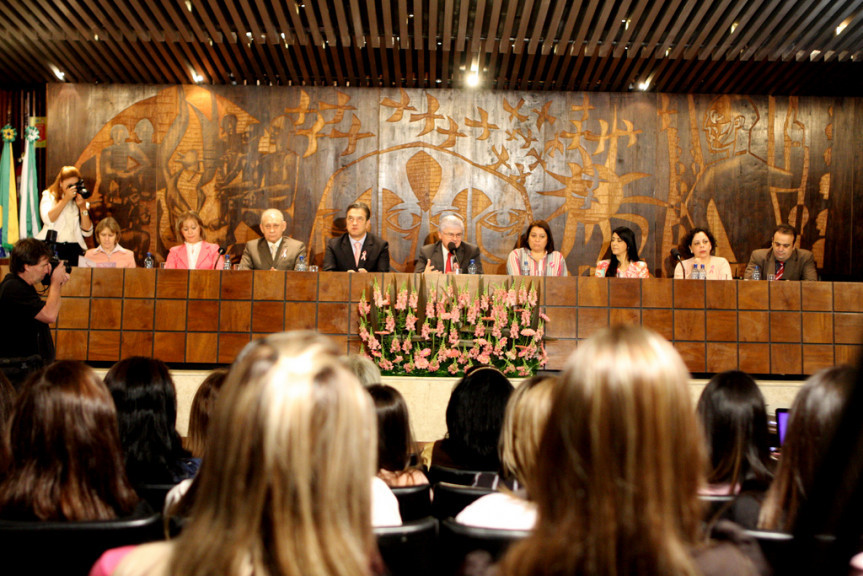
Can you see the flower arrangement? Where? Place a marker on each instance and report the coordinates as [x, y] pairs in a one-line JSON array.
[[446, 329]]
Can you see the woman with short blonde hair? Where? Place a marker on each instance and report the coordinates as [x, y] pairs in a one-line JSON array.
[[621, 461], [284, 487]]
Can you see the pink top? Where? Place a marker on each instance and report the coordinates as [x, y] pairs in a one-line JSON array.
[[119, 257], [635, 270], [107, 562], [717, 268], [208, 258], [552, 265]]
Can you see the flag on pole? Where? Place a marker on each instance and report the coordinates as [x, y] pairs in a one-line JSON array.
[[8, 195], [28, 217]]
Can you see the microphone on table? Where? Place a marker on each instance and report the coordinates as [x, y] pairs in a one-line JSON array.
[[221, 253], [675, 253]]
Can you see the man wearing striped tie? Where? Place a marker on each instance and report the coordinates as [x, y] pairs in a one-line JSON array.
[[782, 260]]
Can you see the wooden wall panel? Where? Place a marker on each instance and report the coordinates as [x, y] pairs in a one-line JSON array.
[[659, 164]]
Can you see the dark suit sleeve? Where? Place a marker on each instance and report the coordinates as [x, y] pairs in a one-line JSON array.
[[383, 263], [422, 260], [475, 256], [330, 256], [809, 272]]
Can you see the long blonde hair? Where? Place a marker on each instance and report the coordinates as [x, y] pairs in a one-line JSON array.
[[285, 487], [65, 172], [523, 423], [621, 461]]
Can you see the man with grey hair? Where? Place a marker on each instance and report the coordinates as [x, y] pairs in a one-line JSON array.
[[449, 254], [274, 251]]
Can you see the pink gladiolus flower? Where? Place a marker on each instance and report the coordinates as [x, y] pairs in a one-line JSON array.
[[410, 322], [426, 329], [402, 299], [430, 309], [453, 368], [434, 365], [406, 346], [479, 331], [453, 337], [543, 317], [412, 303], [396, 345], [513, 330], [390, 323], [528, 332], [531, 297], [440, 329], [525, 317]]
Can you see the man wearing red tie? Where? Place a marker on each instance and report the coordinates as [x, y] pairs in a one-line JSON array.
[[449, 254], [358, 250], [783, 260]]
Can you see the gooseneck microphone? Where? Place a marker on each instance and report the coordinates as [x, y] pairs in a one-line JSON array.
[[675, 253], [221, 253]]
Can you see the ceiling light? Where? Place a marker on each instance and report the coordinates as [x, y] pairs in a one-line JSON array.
[[626, 23], [197, 78], [96, 37], [189, 5], [843, 26], [473, 79], [733, 28], [643, 86], [61, 76]]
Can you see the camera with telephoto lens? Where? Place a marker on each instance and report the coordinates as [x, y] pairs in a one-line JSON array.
[[81, 189], [51, 241]]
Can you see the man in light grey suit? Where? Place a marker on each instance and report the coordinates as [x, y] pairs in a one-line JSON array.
[[274, 251]]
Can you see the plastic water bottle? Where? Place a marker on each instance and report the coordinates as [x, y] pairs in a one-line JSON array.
[[227, 265], [455, 268], [148, 261], [702, 274], [525, 268], [756, 274], [301, 263], [471, 268]]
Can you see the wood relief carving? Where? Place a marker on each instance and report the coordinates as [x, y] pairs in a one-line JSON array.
[[587, 163]]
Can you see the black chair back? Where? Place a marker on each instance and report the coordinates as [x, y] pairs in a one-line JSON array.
[[450, 499], [69, 548], [409, 549], [414, 501], [456, 541], [452, 475]]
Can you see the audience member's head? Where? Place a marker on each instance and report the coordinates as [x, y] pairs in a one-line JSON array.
[[396, 446], [812, 422], [65, 457], [734, 419], [284, 488], [474, 418], [523, 424], [364, 368], [621, 461], [202, 408], [7, 400], [146, 401]]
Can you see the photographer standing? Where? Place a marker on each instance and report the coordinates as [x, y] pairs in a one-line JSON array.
[[25, 337], [65, 210]]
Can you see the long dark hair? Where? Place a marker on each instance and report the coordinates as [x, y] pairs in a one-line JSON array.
[[146, 403], [812, 423], [65, 457], [396, 446], [524, 240], [203, 405], [474, 419], [734, 418], [628, 236]]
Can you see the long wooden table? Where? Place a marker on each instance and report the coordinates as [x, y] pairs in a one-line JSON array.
[[206, 317]]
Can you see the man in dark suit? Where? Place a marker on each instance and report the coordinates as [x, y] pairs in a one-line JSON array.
[[274, 251], [783, 260], [439, 257], [358, 250]]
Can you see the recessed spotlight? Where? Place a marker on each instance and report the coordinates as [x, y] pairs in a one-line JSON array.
[[189, 5], [197, 78], [733, 28], [473, 79], [843, 26], [61, 76], [643, 86]]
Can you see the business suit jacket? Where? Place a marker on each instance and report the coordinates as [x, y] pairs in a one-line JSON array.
[[256, 256], [463, 255], [374, 257], [799, 266], [208, 258]]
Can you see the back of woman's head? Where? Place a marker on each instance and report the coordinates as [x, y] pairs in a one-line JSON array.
[[202, 408], [146, 401], [395, 441], [285, 487], [812, 422], [474, 418], [620, 464], [734, 420], [523, 424], [66, 462]]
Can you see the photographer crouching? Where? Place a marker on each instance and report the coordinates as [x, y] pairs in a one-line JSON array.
[[64, 209], [25, 337]]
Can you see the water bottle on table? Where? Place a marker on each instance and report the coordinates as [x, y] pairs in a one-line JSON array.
[[149, 262], [301, 264], [471, 268]]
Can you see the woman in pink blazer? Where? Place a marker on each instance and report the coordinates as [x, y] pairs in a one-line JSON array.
[[194, 253]]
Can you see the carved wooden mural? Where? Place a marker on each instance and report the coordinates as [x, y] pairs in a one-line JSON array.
[[585, 162]]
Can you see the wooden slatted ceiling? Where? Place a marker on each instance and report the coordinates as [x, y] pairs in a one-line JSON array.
[[719, 46]]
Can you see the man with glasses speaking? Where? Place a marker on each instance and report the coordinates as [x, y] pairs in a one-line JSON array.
[[449, 254]]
